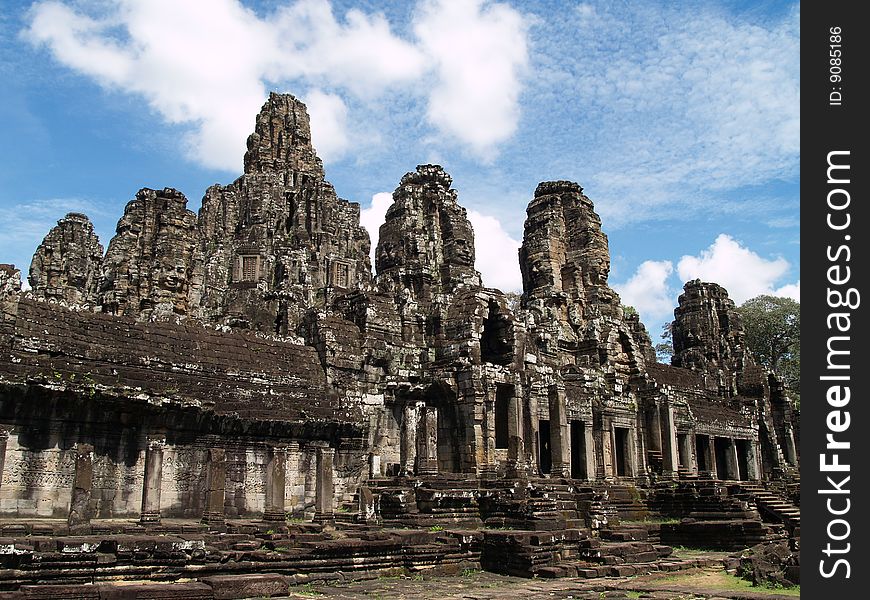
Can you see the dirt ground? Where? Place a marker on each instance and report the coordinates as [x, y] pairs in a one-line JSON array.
[[708, 584]]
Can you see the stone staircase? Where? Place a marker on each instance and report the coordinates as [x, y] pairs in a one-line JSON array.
[[772, 505]]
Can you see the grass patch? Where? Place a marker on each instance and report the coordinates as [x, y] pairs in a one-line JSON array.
[[651, 521], [686, 551], [710, 581], [305, 590], [436, 528]]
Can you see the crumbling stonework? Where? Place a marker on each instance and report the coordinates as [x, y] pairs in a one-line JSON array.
[[278, 240], [152, 266], [245, 362], [66, 265]]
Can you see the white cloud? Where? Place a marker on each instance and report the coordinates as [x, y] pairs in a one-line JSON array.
[[373, 217], [496, 253], [680, 106], [207, 64], [738, 269], [791, 290], [328, 124], [648, 291], [480, 51]]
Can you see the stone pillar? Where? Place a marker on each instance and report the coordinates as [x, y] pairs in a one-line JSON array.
[[560, 438], [80, 512], [293, 473], [368, 512], [670, 459], [276, 478], [4, 437], [731, 462], [153, 482], [654, 440], [427, 441], [323, 500], [790, 451], [753, 472], [631, 467], [516, 466], [589, 446], [686, 445], [374, 466], [608, 448], [711, 458], [215, 485], [408, 444]]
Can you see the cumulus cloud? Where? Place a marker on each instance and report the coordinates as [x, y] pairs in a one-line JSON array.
[[328, 124], [496, 253], [373, 217], [681, 106], [211, 74], [738, 269], [648, 291], [791, 290], [480, 52]]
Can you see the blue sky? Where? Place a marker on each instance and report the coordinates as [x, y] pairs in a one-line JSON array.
[[680, 120]]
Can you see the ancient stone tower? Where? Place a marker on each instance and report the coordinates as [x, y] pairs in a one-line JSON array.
[[246, 361]]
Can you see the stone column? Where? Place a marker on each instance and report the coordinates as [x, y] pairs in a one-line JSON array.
[[790, 450], [631, 467], [153, 482], [711, 458], [323, 501], [589, 446], [294, 470], [516, 466], [731, 462], [80, 512], [560, 438], [4, 437], [408, 444], [276, 477], [608, 448], [655, 429], [753, 472], [686, 444], [215, 485], [670, 459], [427, 441]]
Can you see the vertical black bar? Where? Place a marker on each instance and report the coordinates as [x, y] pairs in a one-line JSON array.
[[834, 226]]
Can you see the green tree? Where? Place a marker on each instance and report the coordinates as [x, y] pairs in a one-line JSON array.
[[773, 336], [665, 348]]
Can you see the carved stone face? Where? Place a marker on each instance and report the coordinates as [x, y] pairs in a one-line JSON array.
[[462, 253], [172, 277]]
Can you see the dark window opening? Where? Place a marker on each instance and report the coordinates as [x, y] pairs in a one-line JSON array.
[[578, 451], [545, 460], [503, 396], [743, 458], [496, 341], [433, 326], [720, 447], [621, 451]]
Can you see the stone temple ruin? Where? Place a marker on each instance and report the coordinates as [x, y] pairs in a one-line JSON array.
[[233, 399]]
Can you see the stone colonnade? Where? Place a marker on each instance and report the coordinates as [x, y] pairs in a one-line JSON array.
[[283, 464]]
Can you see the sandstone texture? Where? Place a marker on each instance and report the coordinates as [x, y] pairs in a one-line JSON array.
[[66, 265], [245, 363]]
